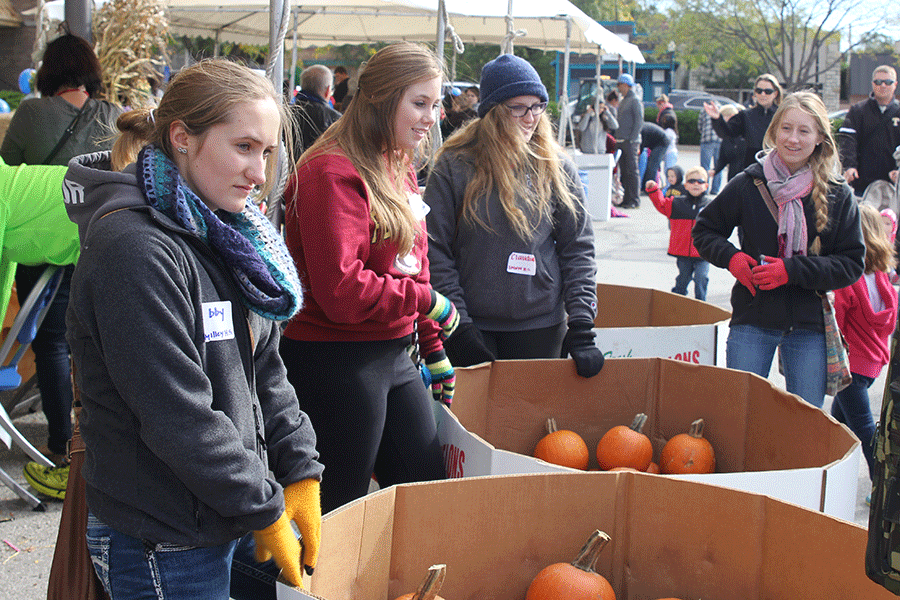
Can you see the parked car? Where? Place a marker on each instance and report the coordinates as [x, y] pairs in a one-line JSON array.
[[694, 99]]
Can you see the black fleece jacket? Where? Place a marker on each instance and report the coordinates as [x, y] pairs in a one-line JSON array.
[[796, 304]]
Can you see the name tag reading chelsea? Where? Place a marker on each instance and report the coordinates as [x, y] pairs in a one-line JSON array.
[[217, 323], [524, 264]]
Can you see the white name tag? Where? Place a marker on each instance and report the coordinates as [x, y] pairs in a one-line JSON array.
[[217, 323], [524, 264], [418, 206]]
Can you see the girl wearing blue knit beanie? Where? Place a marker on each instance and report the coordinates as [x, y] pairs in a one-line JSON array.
[[511, 245]]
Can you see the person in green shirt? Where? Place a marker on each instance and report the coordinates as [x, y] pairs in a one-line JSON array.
[[35, 230]]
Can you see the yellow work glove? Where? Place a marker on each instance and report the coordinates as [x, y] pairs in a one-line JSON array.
[[303, 505], [278, 541]]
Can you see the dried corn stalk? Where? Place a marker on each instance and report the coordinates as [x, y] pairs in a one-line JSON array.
[[129, 37]]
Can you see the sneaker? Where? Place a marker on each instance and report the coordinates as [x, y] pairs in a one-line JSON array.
[[50, 481]]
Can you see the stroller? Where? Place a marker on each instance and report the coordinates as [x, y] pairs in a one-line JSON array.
[[883, 194]]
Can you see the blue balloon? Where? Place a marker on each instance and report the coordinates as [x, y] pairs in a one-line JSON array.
[[4, 107], [25, 81]]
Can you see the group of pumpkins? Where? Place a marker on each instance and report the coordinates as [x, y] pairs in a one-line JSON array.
[[628, 448], [576, 580]]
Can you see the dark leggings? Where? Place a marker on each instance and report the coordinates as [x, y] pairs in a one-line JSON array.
[[371, 412], [51, 356], [531, 343]]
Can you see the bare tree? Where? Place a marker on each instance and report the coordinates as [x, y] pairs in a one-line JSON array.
[[797, 40]]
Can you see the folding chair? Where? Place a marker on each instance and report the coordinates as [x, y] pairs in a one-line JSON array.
[[23, 330]]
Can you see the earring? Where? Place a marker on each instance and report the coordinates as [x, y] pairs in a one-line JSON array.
[[183, 150]]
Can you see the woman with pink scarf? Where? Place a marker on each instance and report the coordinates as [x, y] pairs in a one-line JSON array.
[[805, 240]]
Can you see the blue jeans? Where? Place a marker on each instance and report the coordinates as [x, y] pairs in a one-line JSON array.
[[709, 154], [692, 268], [851, 407], [751, 348], [130, 568], [651, 170], [51, 356]]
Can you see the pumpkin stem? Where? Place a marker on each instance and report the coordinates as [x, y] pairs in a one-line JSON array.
[[638, 423], [590, 551], [551, 425], [432, 583], [696, 430]]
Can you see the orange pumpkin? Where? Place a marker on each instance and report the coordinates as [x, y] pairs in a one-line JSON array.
[[688, 453], [625, 446], [562, 447], [653, 468], [576, 580], [430, 586]]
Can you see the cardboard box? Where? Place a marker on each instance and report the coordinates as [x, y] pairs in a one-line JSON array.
[[669, 538], [637, 322], [766, 440]]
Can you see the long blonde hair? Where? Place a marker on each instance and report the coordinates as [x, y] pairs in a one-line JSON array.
[[199, 96], [879, 249], [823, 162], [365, 135], [525, 175]]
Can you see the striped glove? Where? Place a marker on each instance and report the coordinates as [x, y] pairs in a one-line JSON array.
[[437, 372], [443, 311]]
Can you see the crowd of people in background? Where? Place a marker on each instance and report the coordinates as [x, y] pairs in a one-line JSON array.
[[284, 372]]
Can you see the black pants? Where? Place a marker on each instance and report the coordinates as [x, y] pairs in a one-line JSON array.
[[371, 413], [531, 343], [51, 355]]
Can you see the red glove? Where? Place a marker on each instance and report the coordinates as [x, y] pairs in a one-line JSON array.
[[651, 186], [740, 266], [771, 274]]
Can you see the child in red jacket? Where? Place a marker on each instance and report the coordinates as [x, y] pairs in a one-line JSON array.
[[682, 210], [866, 313]]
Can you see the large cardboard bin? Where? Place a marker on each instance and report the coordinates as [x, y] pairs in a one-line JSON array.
[[766, 440], [637, 322], [669, 538]]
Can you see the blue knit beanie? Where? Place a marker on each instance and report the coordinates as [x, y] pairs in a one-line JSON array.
[[505, 77]]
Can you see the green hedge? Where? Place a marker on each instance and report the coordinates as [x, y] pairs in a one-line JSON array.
[[687, 124], [12, 98]]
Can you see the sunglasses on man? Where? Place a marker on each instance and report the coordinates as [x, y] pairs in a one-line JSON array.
[[765, 91], [697, 181], [883, 81]]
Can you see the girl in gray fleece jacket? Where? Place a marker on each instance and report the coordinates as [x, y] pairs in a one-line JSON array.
[[194, 435], [510, 242]]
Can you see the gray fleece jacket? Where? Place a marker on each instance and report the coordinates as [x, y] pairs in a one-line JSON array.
[[497, 280], [190, 424]]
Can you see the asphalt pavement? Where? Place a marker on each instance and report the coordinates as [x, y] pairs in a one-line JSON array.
[[630, 251]]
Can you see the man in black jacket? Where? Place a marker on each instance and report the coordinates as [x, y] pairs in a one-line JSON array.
[[311, 109], [871, 132]]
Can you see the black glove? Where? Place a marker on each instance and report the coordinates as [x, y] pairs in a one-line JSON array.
[[580, 344], [466, 347]]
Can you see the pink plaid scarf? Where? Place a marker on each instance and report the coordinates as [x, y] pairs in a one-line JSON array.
[[788, 192]]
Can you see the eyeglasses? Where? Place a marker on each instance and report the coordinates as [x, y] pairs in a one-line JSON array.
[[765, 91], [520, 110], [883, 82], [697, 181]]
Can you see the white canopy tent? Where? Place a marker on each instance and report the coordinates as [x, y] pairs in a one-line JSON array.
[[543, 24], [366, 21]]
